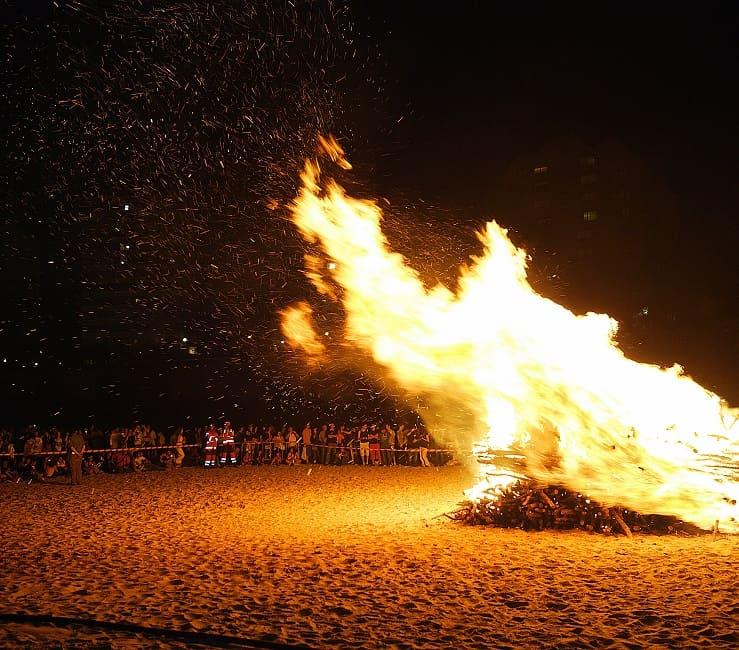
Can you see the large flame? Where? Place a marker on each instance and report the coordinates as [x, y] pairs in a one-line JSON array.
[[297, 326], [534, 379]]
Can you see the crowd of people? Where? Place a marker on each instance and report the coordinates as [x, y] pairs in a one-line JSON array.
[[31, 455]]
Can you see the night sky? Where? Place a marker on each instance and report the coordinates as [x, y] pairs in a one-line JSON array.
[[152, 149]]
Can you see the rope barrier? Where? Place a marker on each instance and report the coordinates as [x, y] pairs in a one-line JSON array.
[[108, 450], [354, 448], [97, 451]]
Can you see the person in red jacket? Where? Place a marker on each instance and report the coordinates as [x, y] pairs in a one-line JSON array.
[[374, 444], [211, 445], [228, 449]]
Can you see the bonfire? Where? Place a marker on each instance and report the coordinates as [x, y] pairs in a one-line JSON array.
[[543, 385]]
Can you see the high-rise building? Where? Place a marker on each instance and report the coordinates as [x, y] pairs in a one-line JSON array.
[[596, 217]]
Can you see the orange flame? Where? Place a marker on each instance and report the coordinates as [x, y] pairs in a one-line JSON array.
[[314, 272], [332, 148], [297, 326], [538, 380]]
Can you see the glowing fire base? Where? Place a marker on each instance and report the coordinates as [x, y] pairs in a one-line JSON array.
[[528, 506]]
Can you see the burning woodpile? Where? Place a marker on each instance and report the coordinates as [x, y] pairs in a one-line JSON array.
[[530, 506]]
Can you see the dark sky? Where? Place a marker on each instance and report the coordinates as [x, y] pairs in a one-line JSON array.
[[196, 115], [483, 84]]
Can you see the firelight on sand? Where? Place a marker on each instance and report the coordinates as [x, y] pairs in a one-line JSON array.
[[532, 378]]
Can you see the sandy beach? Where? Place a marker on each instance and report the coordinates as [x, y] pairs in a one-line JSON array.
[[342, 557]]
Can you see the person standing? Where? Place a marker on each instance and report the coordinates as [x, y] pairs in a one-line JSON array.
[[211, 446], [387, 442], [37, 447], [75, 452], [278, 444], [349, 445], [364, 444], [268, 444], [307, 455], [247, 450], [261, 437], [292, 447], [228, 449], [401, 445], [340, 455], [179, 441], [412, 446], [331, 442], [38, 443], [375, 446], [322, 440]]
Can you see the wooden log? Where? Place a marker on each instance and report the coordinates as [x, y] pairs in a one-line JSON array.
[[617, 516], [546, 499]]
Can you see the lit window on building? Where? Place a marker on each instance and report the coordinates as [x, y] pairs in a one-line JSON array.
[[590, 215], [541, 170]]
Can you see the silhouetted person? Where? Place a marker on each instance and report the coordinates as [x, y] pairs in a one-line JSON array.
[[331, 442], [75, 451]]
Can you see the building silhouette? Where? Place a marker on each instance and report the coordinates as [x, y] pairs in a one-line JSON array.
[[595, 218]]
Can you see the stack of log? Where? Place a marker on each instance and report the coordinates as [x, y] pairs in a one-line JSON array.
[[530, 506]]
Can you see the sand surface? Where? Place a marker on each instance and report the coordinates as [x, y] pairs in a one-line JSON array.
[[342, 557]]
